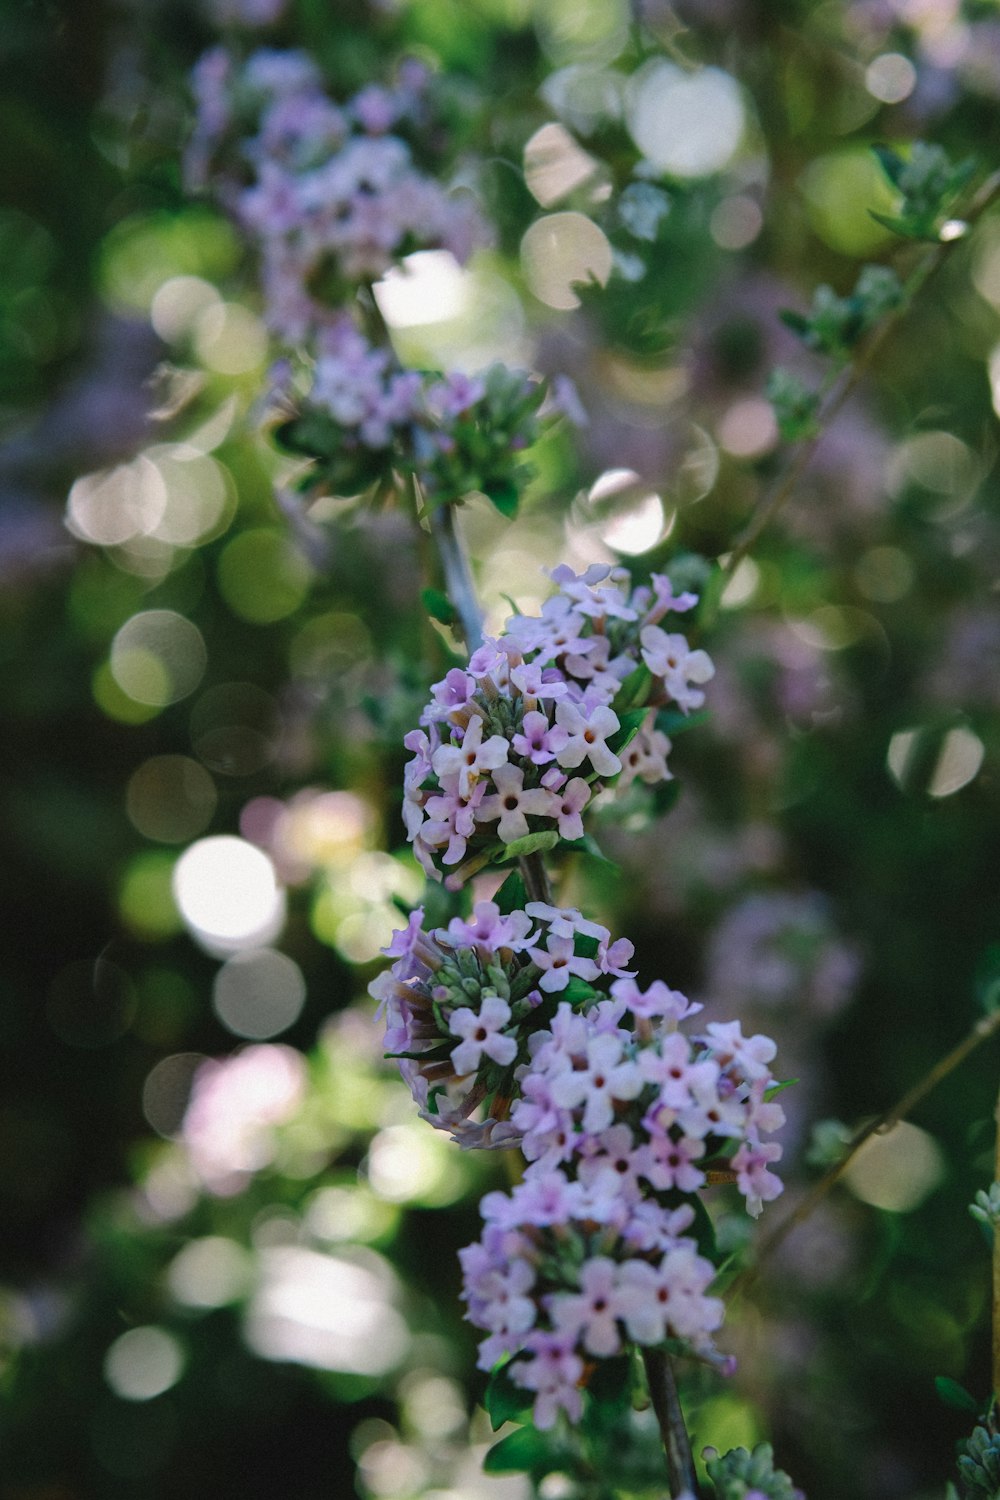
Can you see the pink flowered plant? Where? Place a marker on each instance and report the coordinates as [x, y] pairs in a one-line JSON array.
[[461, 1004], [522, 740]]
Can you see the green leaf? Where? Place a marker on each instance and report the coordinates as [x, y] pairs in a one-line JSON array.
[[704, 1230], [778, 1088], [634, 690], [666, 796], [313, 434], [631, 721], [439, 606], [892, 164], [671, 722], [953, 1394], [588, 845], [504, 496], [796, 321], [527, 1449], [610, 1385], [503, 1399], [577, 991], [905, 228], [532, 843], [512, 895]]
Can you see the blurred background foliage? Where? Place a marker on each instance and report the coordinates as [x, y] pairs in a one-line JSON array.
[[227, 1261]]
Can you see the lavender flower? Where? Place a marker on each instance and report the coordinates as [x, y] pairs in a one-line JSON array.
[[557, 1282], [518, 744], [462, 1002]]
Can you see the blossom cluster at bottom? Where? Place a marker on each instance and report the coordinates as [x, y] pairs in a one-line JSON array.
[[565, 1274]]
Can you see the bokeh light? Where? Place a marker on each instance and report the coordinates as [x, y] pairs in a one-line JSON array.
[[146, 902], [898, 1169], [228, 895], [263, 576], [158, 657], [427, 287], [626, 514], [170, 798], [143, 1363], [555, 164], [211, 1271], [561, 251], [685, 124], [167, 1089], [890, 77], [235, 728], [115, 505], [326, 1311], [259, 994], [91, 1003]]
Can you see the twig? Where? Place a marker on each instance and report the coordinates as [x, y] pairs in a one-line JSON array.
[[667, 1406], [457, 576], [985, 1028], [849, 379]]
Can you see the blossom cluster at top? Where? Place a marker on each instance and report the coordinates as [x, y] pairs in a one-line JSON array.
[[329, 193], [519, 742]]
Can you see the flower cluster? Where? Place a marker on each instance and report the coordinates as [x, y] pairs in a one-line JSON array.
[[329, 193], [519, 743], [365, 419], [461, 1004], [619, 1116], [560, 1277]]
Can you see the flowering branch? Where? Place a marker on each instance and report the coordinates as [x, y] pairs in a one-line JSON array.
[[846, 382], [986, 1027]]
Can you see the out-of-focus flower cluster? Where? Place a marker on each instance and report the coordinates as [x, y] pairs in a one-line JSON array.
[[526, 736], [329, 193], [365, 419]]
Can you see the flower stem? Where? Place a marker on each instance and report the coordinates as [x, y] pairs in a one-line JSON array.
[[984, 1028], [457, 575], [667, 1406], [536, 878]]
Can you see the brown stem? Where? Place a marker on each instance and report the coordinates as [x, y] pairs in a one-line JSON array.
[[985, 1028], [536, 878], [848, 380], [667, 1406]]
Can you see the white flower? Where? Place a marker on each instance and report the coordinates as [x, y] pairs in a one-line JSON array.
[[587, 738], [513, 801], [481, 1032]]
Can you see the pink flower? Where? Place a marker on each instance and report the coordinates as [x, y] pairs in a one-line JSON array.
[[539, 741], [570, 804], [591, 1314], [604, 1080], [553, 1374], [513, 802], [670, 658], [471, 758], [481, 1032], [558, 961], [587, 737]]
